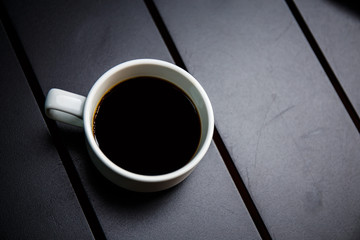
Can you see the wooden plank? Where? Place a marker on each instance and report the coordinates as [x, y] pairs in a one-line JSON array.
[[287, 131], [37, 199], [70, 45], [335, 25]]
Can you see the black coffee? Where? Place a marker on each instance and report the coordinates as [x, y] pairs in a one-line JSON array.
[[147, 125]]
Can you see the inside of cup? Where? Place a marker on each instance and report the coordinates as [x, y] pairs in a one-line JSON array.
[[181, 79]]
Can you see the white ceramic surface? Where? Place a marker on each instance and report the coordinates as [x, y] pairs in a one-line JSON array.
[[79, 111]]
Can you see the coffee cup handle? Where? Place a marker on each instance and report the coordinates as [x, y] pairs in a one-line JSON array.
[[65, 107]]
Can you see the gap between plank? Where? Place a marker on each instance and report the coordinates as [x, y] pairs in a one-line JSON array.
[[324, 63], [35, 87], [244, 193]]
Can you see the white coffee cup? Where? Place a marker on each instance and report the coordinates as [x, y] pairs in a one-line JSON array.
[[78, 110]]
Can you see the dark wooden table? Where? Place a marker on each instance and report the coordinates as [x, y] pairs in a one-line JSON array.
[[284, 81]]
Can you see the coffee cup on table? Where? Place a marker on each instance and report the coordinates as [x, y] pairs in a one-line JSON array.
[[147, 123]]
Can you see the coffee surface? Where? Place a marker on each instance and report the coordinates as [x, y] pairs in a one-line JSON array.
[[147, 126]]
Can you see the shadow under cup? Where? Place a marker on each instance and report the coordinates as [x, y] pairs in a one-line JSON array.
[[157, 69]]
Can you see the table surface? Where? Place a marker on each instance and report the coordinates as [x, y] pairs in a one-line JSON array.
[[283, 78]]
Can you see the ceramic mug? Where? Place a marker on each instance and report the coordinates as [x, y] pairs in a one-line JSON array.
[[78, 110]]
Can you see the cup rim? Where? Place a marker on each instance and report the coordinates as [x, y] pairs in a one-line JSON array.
[[88, 115]]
